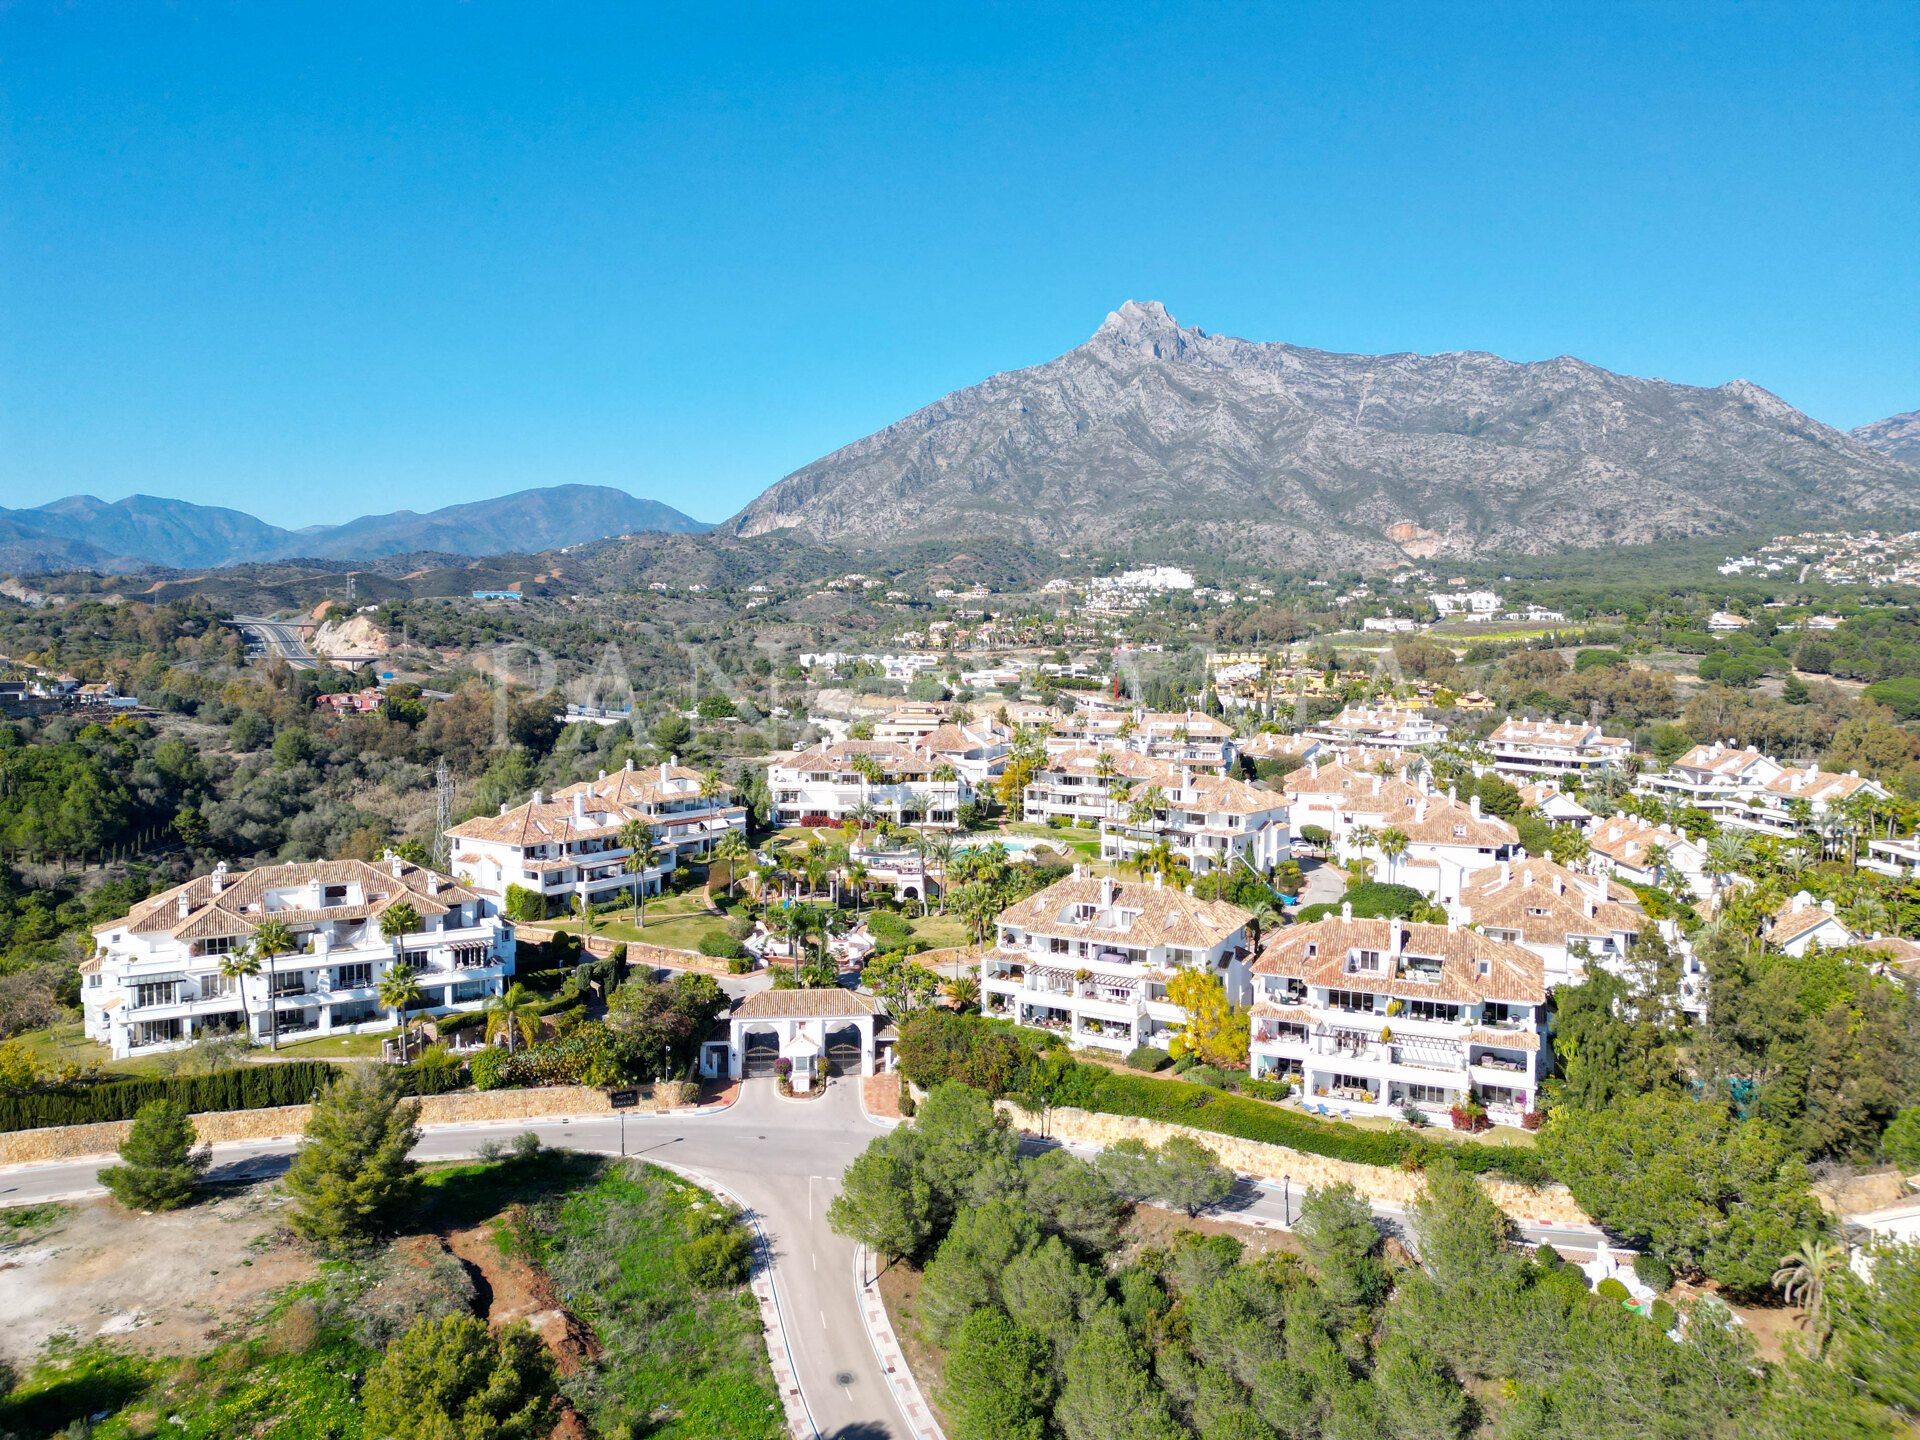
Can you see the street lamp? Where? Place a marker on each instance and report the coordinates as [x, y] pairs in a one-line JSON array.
[[1286, 1200]]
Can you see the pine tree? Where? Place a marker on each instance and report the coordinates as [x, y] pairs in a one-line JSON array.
[[352, 1171], [160, 1169], [450, 1378]]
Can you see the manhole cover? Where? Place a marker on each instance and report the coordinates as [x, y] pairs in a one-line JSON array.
[[844, 1378]]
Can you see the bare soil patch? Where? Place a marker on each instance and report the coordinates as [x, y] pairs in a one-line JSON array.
[[1152, 1228], [509, 1287], [169, 1284], [900, 1289]]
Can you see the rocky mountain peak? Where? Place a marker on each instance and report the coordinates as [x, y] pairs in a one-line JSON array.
[[1144, 325]]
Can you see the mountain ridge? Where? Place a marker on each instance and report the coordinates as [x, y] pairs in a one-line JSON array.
[[1153, 435], [1897, 435], [82, 532]]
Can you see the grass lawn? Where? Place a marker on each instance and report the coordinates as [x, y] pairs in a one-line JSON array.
[[65, 1043], [676, 921], [940, 930], [331, 1047]]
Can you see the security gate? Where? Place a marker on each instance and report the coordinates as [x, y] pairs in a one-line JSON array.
[[761, 1054], [843, 1051]]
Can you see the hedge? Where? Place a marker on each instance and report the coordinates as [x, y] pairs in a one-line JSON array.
[[1175, 1102], [246, 1087]]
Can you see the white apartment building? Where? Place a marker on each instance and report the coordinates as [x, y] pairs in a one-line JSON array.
[[910, 782], [1446, 841], [1378, 727], [1374, 1016], [1627, 844], [154, 982], [687, 811], [1091, 959], [1803, 922], [1569, 920], [1209, 821], [562, 850], [1550, 803], [1541, 747], [1752, 791], [1469, 604]]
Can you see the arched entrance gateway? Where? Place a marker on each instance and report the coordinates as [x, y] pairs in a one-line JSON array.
[[820, 1031]]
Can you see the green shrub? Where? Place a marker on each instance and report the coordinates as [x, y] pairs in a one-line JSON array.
[[1148, 1058], [246, 1087], [740, 926], [434, 1073], [1274, 1090], [1611, 1289], [908, 1105], [1653, 1272], [489, 1069], [1207, 1075], [717, 1260], [524, 904], [740, 965], [722, 946], [1547, 1257], [882, 924], [1664, 1315]]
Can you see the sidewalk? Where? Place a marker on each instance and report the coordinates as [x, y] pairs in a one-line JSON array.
[[893, 1362]]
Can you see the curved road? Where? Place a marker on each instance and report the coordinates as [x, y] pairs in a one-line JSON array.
[[279, 638], [783, 1158]]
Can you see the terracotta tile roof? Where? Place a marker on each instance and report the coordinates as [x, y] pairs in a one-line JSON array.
[[1505, 897], [1720, 761], [1546, 732], [895, 757], [1161, 915], [1813, 783], [1506, 1039], [825, 1004], [644, 785], [1903, 955], [234, 910], [551, 822], [1628, 839], [1513, 974], [1800, 916]]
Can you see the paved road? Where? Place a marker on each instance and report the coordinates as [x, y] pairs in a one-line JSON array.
[[280, 639], [783, 1158]]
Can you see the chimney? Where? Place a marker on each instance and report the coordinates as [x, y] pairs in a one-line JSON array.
[[1590, 908], [1827, 905], [1473, 805], [1453, 922], [398, 864], [579, 808], [1506, 871], [1420, 812], [1079, 871], [503, 807], [629, 765], [184, 906], [603, 775], [1106, 891], [219, 877], [666, 767], [1346, 909], [1313, 767], [1157, 879], [1559, 885], [539, 797], [1395, 938], [1376, 784]]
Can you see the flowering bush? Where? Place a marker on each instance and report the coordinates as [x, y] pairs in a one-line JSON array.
[[783, 1067], [1470, 1117]]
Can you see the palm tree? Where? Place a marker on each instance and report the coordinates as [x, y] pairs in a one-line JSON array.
[[963, 993], [636, 838], [1262, 915], [1727, 852], [400, 991], [1393, 845], [1805, 1272], [712, 787], [512, 1013], [271, 940], [857, 877], [239, 966], [1151, 799], [732, 847], [935, 850]]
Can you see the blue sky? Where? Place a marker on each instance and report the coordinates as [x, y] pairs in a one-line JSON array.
[[318, 260]]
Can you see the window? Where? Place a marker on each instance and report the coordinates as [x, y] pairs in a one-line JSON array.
[[1432, 1010], [352, 977], [1460, 830], [1353, 1082], [1057, 944], [212, 986], [1426, 1095], [218, 945], [334, 895], [1500, 1013], [1350, 1000], [1499, 1095], [159, 992], [1368, 960], [294, 984]]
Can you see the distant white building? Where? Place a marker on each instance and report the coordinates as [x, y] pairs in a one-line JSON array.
[[1469, 604]]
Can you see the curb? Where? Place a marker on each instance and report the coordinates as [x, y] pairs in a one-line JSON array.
[[793, 1400], [893, 1361]]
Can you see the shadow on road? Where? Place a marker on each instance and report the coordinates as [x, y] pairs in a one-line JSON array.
[[245, 1172], [860, 1430]]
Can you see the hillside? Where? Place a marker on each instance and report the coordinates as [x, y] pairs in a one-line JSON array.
[[1157, 438], [80, 532], [1897, 435]]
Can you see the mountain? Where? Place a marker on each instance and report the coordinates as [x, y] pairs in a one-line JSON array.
[[1897, 435], [1159, 439], [81, 532]]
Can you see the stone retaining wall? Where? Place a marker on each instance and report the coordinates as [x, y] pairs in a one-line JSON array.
[[71, 1142], [1544, 1205]]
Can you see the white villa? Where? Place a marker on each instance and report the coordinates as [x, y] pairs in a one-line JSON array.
[[1802, 923], [1445, 840], [155, 981], [1374, 1016], [1530, 747], [688, 811], [1091, 959], [1626, 844]]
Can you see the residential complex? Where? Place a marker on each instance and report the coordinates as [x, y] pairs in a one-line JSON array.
[[1803, 923], [1092, 959], [1567, 919], [687, 811], [1378, 727], [1373, 1017], [562, 850], [1541, 747], [1752, 791], [921, 781], [1444, 841], [159, 976], [1642, 853]]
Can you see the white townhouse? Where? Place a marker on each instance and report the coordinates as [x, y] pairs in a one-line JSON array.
[[1378, 727], [1209, 821], [1752, 791], [155, 979], [562, 850], [1091, 959], [1627, 844], [1374, 1016], [1551, 804], [1181, 737], [688, 812], [1541, 747], [1802, 923], [1569, 920]]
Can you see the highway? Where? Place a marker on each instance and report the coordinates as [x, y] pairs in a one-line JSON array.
[[279, 638], [783, 1160]]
